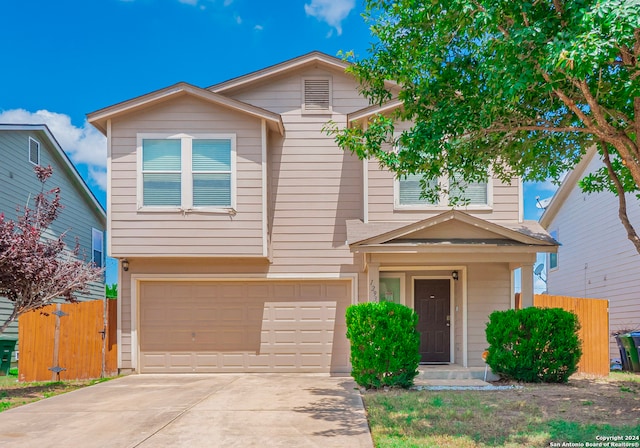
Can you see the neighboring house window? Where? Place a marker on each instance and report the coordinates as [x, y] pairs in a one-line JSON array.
[[553, 258], [186, 171], [316, 94], [34, 151], [409, 191], [97, 247]]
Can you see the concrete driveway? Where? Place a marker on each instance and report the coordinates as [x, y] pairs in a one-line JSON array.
[[226, 410]]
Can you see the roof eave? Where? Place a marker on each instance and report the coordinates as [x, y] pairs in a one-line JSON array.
[[451, 249], [278, 69], [63, 155], [100, 117], [567, 185], [362, 114]]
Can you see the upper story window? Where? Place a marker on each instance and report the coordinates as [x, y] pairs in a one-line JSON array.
[[34, 151], [408, 193], [97, 247], [186, 171], [316, 95]]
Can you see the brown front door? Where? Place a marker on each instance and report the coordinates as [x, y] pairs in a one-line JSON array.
[[432, 302]]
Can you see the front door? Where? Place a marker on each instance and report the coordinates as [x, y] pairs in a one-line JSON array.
[[432, 302]]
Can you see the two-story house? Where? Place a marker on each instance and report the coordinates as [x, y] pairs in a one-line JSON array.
[[23, 146], [243, 231], [596, 258]]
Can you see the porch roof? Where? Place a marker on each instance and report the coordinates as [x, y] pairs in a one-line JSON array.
[[454, 229]]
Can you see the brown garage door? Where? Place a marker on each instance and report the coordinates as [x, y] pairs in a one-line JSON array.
[[251, 326]]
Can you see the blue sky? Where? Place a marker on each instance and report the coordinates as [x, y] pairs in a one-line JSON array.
[[63, 59]]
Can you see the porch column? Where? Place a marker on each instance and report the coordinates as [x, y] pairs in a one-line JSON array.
[[526, 280], [373, 282]]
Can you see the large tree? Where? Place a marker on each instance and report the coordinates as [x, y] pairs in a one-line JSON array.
[[512, 88], [37, 268]]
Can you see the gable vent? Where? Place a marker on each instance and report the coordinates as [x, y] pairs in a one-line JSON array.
[[317, 95]]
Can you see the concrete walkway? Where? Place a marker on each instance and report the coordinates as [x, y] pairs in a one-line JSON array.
[[227, 410]]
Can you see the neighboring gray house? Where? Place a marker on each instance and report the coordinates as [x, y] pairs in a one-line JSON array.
[[22, 146], [595, 259]]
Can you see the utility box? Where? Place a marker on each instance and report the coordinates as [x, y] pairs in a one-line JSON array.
[[6, 351], [632, 352]]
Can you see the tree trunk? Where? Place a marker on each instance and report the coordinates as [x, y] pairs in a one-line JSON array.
[[11, 318], [622, 201]]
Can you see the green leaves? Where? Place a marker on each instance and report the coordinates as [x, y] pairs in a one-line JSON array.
[[519, 88], [534, 344], [384, 344]]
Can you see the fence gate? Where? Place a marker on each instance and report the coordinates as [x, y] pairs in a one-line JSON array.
[[68, 341]]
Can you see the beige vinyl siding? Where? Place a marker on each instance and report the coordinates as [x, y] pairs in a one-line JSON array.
[[314, 186], [171, 233], [595, 258], [489, 290], [284, 95], [506, 201], [124, 309]]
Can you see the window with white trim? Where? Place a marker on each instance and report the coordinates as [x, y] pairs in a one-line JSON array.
[[34, 151], [186, 171], [409, 192], [97, 247]]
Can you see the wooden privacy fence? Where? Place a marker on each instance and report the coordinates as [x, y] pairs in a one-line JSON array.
[[593, 315], [68, 341]]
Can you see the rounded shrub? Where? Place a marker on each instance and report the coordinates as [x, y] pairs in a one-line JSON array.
[[384, 344], [537, 345]]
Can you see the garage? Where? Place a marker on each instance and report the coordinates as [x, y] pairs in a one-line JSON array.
[[243, 326]]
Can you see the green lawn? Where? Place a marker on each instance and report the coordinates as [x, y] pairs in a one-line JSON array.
[[535, 416], [13, 393]]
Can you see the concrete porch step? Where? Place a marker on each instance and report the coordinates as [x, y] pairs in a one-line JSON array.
[[451, 383], [428, 372]]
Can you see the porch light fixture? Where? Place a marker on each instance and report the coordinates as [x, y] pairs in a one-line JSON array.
[[454, 274], [125, 265]]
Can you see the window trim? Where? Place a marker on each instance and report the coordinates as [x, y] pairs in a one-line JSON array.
[[303, 109], [444, 199], [186, 174], [95, 232], [555, 235], [31, 139]]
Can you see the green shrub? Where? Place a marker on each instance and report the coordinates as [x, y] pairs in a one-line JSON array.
[[384, 344], [534, 344]]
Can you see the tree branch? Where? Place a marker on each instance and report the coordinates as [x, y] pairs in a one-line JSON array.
[[622, 201], [594, 106], [568, 101], [537, 128]]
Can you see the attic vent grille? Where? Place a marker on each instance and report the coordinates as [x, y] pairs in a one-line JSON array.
[[317, 95]]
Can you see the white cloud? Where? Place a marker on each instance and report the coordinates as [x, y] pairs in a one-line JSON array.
[[239, 20], [227, 2], [258, 27], [332, 12], [545, 186], [83, 145], [189, 2]]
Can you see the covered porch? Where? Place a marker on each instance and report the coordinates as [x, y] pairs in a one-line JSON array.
[[454, 270]]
